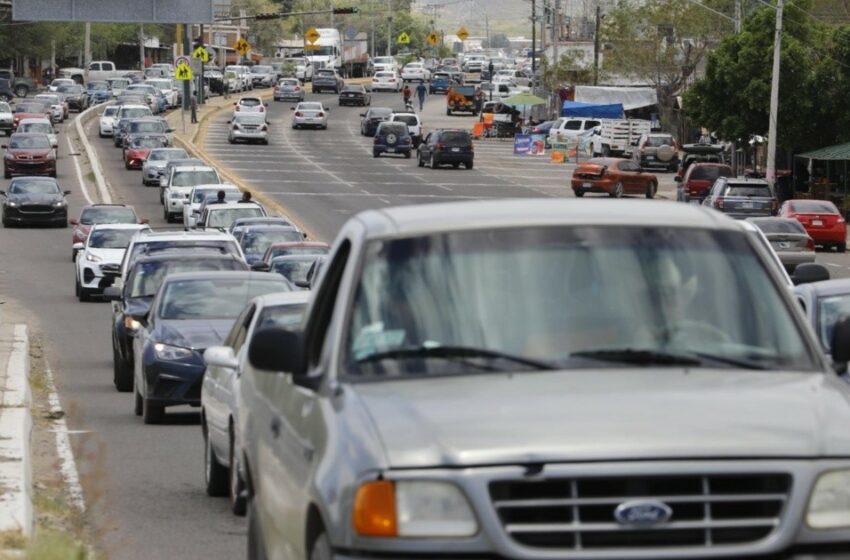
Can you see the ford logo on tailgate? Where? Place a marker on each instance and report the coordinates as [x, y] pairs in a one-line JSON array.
[[643, 513]]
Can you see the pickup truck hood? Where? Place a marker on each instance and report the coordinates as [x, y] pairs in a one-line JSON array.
[[589, 415]]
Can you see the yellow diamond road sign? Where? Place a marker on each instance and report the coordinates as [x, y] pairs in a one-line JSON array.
[[241, 46], [433, 39], [183, 72], [462, 34], [202, 54], [403, 39], [312, 35]]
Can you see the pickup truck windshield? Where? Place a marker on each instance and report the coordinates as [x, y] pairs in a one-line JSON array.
[[569, 297]]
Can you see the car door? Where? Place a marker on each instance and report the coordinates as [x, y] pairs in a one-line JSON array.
[[426, 147], [632, 177]]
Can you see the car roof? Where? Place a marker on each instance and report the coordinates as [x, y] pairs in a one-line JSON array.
[[35, 120], [428, 219], [268, 227], [203, 254], [178, 168], [838, 286], [203, 235], [745, 181], [283, 298], [316, 244], [228, 205], [216, 186], [220, 275], [120, 226]]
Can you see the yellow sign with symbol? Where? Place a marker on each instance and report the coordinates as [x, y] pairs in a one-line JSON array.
[[403, 39], [310, 47], [241, 46], [183, 72], [462, 34], [202, 54], [433, 39], [312, 35]]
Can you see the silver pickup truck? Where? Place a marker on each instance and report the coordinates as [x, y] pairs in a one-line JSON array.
[[546, 379]]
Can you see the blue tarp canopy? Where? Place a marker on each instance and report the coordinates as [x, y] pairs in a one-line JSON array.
[[590, 110]]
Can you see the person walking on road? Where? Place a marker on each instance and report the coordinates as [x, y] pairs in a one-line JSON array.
[[421, 92], [194, 105], [406, 94]]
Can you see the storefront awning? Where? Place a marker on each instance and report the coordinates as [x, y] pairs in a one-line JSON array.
[[838, 152]]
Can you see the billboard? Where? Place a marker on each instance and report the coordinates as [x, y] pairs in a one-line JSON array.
[[114, 11]]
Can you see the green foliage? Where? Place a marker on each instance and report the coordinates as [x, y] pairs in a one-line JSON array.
[[734, 97], [569, 70]]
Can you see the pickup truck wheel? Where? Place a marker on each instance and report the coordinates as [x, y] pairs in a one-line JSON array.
[[841, 247], [606, 151], [256, 547], [83, 295], [215, 475], [578, 193], [321, 549], [21, 91]]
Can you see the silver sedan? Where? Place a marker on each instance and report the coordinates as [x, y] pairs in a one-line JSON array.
[[250, 127], [310, 113]]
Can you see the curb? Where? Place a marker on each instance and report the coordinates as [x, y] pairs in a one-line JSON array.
[[94, 161], [16, 511]]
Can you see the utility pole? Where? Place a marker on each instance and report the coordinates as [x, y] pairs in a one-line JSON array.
[[596, 46], [738, 16], [533, 42], [770, 172], [556, 30], [142, 47], [487, 31], [187, 50], [203, 43], [389, 27], [372, 18], [87, 47]]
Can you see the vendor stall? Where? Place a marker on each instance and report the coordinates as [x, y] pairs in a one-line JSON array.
[[823, 174]]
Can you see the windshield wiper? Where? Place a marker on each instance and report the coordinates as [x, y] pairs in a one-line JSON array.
[[638, 357], [453, 353], [737, 362]]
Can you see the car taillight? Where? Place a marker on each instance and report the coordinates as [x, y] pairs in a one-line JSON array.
[[235, 127], [810, 244], [264, 128], [237, 107], [297, 113], [841, 221], [391, 80], [438, 147], [297, 88], [718, 202], [320, 114]]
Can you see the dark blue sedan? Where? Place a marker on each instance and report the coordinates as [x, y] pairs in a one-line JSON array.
[[190, 313]]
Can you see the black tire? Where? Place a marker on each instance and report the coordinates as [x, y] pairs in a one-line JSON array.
[[469, 165], [122, 374], [151, 413], [77, 290], [83, 295], [433, 164], [7, 175], [235, 485], [138, 406], [215, 475], [53, 175], [579, 194], [376, 154], [456, 165], [841, 247], [407, 155], [21, 91], [256, 546], [321, 548], [420, 161], [651, 190]]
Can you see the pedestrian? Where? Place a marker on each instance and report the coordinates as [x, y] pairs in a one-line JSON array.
[[421, 91], [406, 93], [246, 197], [226, 87], [194, 105]]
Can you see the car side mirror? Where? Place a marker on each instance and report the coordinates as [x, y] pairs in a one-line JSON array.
[[112, 293], [261, 266], [4, 146], [361, 114], [277, 349], [163, 182], [677, 179], [66, 193], [807, 273], [78, 246], [305, 284], [221, 356], [144, 221], [72, 221], [292, 108], [840, 343]]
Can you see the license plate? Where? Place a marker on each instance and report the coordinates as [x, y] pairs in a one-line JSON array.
[[586, 185], [455, 149], [650, 158], [747, 205], [391, 150], [817, 222]]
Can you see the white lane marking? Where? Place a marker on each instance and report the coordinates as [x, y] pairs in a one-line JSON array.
[[67, 464], [381, 196], [79, 171]]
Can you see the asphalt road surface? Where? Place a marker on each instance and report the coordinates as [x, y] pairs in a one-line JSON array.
[[144, 483]]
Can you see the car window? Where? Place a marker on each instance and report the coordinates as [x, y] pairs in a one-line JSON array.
[[34, 185], [223, 217], [214, 298], [38, 142], [830, 310], [573, 125], [779, 225], [110, 111], [146, 277], [282, 316], [658, 141], [107, 215], [236, 338], [409, 120], [166, 155], [249, 102], [709, 172], [591, 124], [147, 142], [813, 206], [392, 128], [42, 128], [455, 138], [257, 242], [192, 178], [748, 190], [110, 238]]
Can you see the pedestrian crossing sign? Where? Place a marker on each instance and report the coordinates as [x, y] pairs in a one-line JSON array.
[[202, 54], [403, 39], [184, 72]]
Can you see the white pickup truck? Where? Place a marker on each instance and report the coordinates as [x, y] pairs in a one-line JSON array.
[[98, 70], [617, 137]]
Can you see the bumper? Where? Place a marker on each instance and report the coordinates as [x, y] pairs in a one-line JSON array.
[[76, 105], [173, 383], [453, 157], [14, 215], [592, 186], [392, 150], [30, 168], [310, 122], [151, 175], [745, 215], [175, 205], [106, 130], [791, 554], [248, 135], [283, 96], [134, 163], [93, 279], [352, 101], [833, 235], [651, 161], [6, 126]]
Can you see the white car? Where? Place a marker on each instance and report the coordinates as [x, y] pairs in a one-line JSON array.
[[6, 118], [384, 64], [310, 113], [414, 125], [165, 86], [386, 81], [166, 67], [220, 388], [250, 127], [244, 75], [200, 193], [303, 69], [569, 129], [57, 105], [222, 216], [107, 121], [249, 105], [179, 185], [40, 126], [118, 85], [105, 245], [60, 82], [415, 72], [234, 82]]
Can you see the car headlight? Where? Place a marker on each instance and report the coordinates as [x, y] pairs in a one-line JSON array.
[[413, 509], [60, 204], [131, 324], [829, 506], [171, 353], [93, 258], [11, 204]]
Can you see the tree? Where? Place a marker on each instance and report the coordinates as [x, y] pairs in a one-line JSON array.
[[570, 69]]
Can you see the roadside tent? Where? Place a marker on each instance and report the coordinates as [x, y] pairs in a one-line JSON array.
[[629, 97], [589, 110]]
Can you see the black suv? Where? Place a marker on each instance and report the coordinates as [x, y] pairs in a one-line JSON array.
[[392, 138], [6, 93], [447, 146], [133, 301], [372, 118]]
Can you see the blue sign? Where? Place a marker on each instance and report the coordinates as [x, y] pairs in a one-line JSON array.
[[522, 144]]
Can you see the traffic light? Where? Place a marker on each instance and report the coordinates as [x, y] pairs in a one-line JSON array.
[[345, 10]]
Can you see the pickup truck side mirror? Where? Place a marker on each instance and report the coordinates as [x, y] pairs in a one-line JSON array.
[[677, 179], [221, 356], [276, 349], [840, 347], [810, 272], [78, 246], [260, 266]]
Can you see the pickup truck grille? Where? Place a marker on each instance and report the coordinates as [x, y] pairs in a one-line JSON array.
[[579, 513]]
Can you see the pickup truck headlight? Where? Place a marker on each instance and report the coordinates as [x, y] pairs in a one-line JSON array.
[[413, 509], [829, 506], [171, 353]]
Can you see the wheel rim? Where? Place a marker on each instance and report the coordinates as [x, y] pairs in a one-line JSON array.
[[618, 190], [207, 456]]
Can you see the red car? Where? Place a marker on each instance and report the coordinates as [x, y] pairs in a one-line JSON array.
[[30, 110], [698, 180], [139, 147], [614, 177], [822, 220], [100, 214], [29, 154]]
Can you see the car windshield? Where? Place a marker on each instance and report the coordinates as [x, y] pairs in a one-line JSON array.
[[192, 178], [297, 250], [383, 60], [385, 74], [576, 310], [218, 246], [43, 128], [153, 126], [354, 89], [29, 108], [29, 143], [250, 119], [813, 207], [98, 86], [455, 138], [107, 215], [223, 217], [111, 238], [658, 141], [119, 83], [290, 83], [830, 310], [393, 128], [778, 225], [310, 107], [261, 69], [160, 84], [110, 111], [167, 155], [257, 242], [134, 112], [73, 90], [147, 142], [294, 269], [409, 120], [710, 172], [52, 99], [281, 316], [248, 102], [204, 194], [33, 185], [325, 73], [214, 298], [146, 277], [748, 190]]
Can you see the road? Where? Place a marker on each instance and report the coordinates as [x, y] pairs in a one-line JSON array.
[[144, 483]]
